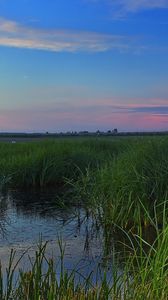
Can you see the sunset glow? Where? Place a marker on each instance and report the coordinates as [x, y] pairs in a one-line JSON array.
[[83, 65]]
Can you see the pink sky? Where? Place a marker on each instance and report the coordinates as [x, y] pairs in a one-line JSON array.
[[128, 117]]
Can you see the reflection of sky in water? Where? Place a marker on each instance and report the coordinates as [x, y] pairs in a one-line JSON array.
[[26, 216]]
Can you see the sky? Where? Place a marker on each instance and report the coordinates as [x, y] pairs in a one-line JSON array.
[[83, 65]]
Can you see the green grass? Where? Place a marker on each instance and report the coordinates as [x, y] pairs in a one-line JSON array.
[[124, 183], [49, 163], [144, 275], [118, 187], [37, 284], [111, 175]]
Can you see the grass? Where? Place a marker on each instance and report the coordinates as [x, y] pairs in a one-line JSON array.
[[49, 163], [37, 284], [124, 184], [110, 175], [117, 188], [144, 275]]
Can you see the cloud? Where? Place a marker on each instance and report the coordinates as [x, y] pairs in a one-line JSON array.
[[13, 34], [145, 109], [161, 110], [136, 5], [104, 116], [121, 8]]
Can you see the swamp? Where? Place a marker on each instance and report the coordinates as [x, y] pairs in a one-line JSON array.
[[84, 218]]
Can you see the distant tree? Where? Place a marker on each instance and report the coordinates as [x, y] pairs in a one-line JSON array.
[[115, 131]]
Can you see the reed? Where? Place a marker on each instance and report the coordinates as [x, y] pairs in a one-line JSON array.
[[119, 186], [49, 163], [124, 184], [144, 275], [45, 285]]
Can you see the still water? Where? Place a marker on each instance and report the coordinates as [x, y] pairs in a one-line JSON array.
[[25, 216]]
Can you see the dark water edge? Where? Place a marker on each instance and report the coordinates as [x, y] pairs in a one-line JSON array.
[[27, 216]]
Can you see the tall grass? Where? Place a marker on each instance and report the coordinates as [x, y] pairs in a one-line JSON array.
[[118, 187], [112, 175], [50, 162], [45, 285], [124, 183], [144, 275]]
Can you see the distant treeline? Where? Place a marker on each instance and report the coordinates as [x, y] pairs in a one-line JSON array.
[[81, 133]]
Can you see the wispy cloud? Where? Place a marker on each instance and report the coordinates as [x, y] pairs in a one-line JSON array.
[[64, 117], [122, 7], [136, 5], [13, 34]]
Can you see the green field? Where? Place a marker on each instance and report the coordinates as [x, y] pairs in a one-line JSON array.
[[123, 183]]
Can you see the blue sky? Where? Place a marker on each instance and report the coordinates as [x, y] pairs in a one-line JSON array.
[[83, 65]]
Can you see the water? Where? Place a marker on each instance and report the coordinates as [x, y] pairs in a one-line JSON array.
[[25, 216]]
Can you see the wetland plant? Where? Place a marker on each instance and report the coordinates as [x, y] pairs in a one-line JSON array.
[[144, 275]]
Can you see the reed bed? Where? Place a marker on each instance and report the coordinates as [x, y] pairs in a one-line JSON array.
[[144, 275], [138, 175], [112, 176], [50, 162], [123, 182]]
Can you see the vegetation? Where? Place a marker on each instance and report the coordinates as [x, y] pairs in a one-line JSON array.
[[50, 162], [123, 182], [122, 187], [144, 276]]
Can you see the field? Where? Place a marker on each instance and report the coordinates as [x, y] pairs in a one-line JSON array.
[[123, 183]]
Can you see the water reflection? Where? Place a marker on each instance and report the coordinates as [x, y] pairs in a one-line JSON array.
[[26, 215], [4, 220]]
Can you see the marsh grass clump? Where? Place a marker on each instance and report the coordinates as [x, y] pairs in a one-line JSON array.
[[50, 162], [144, 274], [119, 186], [123, 182], [44, 283], [113, 175], [142, 171]]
